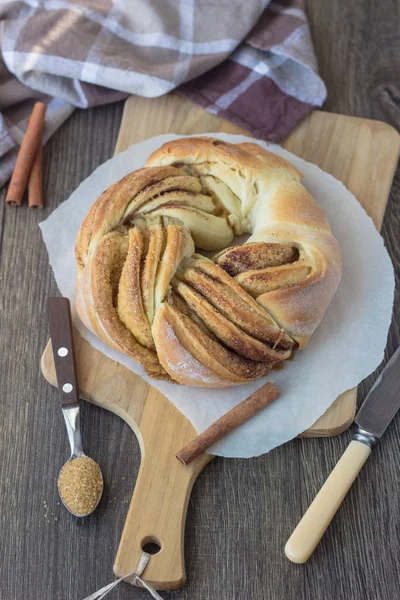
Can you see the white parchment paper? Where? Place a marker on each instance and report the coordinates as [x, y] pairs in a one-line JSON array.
[[348, 345]]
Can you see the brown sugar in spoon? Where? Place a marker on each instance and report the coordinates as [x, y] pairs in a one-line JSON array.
[[80, 482]]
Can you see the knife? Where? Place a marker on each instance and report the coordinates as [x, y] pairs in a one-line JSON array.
[[377, 411]]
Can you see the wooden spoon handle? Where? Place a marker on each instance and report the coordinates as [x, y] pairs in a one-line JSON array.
[[321, 511], [157, 512]]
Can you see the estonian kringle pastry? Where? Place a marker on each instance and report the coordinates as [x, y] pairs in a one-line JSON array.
[[144, 290]]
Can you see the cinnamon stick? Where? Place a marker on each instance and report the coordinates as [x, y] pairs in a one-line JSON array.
[[26, 155], [35, 183], [228, 422]]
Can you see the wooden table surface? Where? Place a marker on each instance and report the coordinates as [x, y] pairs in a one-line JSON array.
[[241, 511]]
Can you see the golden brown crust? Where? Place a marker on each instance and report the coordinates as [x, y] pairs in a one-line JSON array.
[[261, 281], [142, 290], [228, 297], [194, 150], [276, 209], [115, 204], [204, 359], [130, 307], [155, 247], [100, 291]]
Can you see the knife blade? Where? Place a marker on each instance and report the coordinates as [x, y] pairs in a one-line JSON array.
[[382, 401], [377, 411]]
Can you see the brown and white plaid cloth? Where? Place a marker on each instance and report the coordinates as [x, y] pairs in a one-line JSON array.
[[251, 61]]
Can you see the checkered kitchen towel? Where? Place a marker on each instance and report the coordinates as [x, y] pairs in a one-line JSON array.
[[251, 61]]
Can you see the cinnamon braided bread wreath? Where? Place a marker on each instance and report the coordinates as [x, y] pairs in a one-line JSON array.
[[144, 290]]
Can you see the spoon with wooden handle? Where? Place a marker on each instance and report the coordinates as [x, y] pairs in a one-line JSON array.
[[80, 483]]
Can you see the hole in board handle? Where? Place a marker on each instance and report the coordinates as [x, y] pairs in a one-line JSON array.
[[151, 545]]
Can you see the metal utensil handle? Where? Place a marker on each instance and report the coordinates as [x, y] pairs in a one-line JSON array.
[[59, 312]]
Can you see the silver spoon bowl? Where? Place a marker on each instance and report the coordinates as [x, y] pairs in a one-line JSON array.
[[72, 421]]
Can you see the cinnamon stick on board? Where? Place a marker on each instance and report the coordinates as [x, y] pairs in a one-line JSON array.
[[26, 155], [228, 422], [35, 183]]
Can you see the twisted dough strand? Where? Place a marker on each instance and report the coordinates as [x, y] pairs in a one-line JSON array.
[[143, 290]]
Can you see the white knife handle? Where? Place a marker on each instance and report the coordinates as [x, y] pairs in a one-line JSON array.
[[320, 513]]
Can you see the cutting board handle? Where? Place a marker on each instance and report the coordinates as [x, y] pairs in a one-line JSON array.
[[157, 512]]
